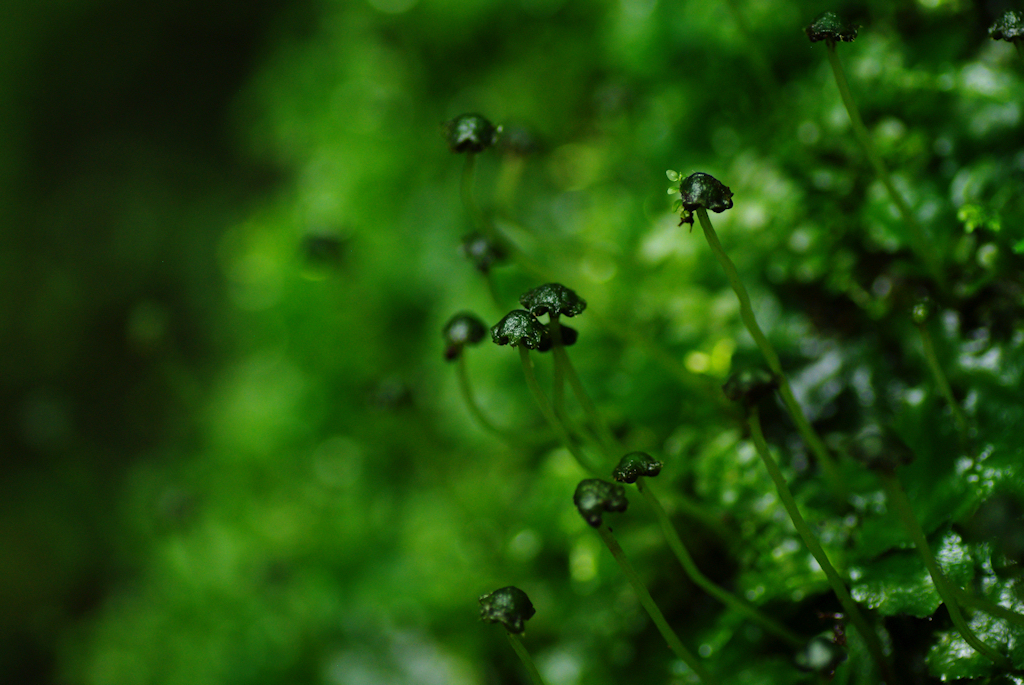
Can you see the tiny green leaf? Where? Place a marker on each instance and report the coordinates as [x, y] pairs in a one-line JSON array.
[[465, 328], [519, 327], [594, 496], [750, 386], [634, 465], [703, 190], [553, 299], [470, 133], [508, 606], [896, 584], [673, 176], [1009, 27], [829, 27]]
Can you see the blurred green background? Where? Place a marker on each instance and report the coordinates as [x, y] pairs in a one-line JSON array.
[[232, 451]]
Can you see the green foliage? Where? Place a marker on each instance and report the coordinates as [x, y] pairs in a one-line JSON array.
[[288, 486]]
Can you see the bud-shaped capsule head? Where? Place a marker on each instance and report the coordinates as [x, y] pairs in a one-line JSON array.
[[750, 386], [703, 190], [594, 496], [508, 606], [830, 28], [519, 327], [470, 133], [482, 251], [462, 329], [880, 448], [569, 337], [922, 310], [553, 299], [634, 465], [1009, 27]]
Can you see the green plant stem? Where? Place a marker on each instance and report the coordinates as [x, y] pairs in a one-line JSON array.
[[487, 226], [558, 373], [897, 497], [727, 598], [549, 414], [513, 437], [468, 199], [980, 603], [924, 246], [492, 288], [470, 400], [520, 649], [674, 643], [940, 380], [810, 437], [871, 640], [564, 368], [698, 513]]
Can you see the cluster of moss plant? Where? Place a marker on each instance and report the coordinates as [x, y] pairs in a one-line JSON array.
[[594, 445]]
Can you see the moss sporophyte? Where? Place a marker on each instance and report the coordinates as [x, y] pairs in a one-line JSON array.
[[638, 467], [806, 533], [921, 313], [1009, 27], [595, 497], [882, 450], [556, 300], [520, 329], [831, 29], [470, 133], [463, 330], [511, 607], [700, 192]]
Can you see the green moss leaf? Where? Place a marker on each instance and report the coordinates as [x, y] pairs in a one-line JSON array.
[[899, 583]]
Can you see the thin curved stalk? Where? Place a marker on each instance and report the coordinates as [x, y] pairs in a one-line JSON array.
[[727, 598], [674, 643], [487, 226], [565, 369], [549, 414], [492, 288], [520, 649], [558, 374], [905, 512], [924, 245], [838, 585], [470, 400], [967, 598], [469, 200], [940, 380], [513, 437], [807, 432]]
